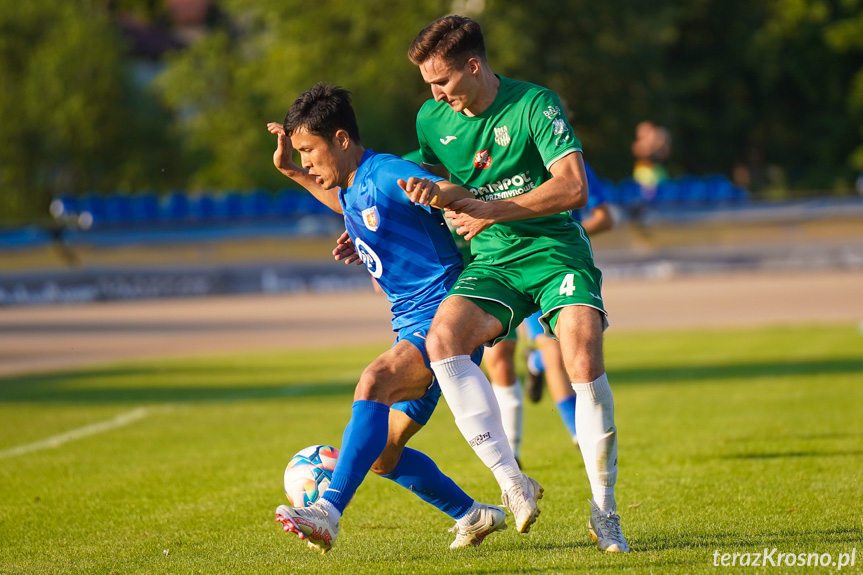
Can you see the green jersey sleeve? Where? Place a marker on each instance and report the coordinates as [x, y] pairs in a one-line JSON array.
[[426, 153], [550, 130]]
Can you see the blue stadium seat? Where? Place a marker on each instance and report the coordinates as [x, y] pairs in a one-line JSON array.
[[233, 205], [693, 191], [720, 190], [64, 206], [118, 208], [257, 204], [667, 193], [629, 191], [319, 207], [740, 195], [175, 206], [206, 207], [94, 204], [145, 207], [307, 204], [286, 202]]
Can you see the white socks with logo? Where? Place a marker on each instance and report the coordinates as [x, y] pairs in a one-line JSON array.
[[597, 438], [468, 393], [511, 401]]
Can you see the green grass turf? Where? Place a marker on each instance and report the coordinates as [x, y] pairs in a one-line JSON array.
[[730, 440]]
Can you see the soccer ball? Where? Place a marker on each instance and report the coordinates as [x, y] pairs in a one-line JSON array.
[[309, 473]]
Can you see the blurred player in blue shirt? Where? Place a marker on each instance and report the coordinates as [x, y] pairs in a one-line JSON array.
[[408, 249]]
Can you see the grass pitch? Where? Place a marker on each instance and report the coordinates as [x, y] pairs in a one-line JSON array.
[[731, 441]]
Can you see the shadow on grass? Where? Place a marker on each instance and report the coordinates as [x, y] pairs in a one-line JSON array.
[[183, 394], [791, 454], [88, 386], [786, 540], [267, 380], [701, 373]]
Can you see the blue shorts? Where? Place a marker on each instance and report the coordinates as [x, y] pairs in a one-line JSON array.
[[420, 410], [534, 328]]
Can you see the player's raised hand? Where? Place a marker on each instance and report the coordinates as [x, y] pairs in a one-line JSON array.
[[420, 190], [345, 250], [282, 157], [470, 217]]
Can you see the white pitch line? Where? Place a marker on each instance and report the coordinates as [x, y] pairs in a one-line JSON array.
[[121, 420]]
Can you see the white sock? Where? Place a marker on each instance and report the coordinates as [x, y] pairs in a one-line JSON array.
[[511, 401], [597, 438], [331, 510], [468, 393], [471, 515]]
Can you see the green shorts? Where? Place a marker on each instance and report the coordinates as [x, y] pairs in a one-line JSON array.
[[548, 281]]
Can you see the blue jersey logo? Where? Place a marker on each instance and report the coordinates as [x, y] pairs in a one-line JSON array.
[[370, 258]]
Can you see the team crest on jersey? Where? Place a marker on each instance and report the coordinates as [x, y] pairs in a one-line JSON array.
[[559, 126], [501, 136], [371, 218], [561, 130], [482, 160]]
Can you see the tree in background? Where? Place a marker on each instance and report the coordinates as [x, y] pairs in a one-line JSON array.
[[247, 72], [71, 120], [605, 59], [772, 89]]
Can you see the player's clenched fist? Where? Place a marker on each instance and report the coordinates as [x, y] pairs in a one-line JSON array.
[[420, 190]]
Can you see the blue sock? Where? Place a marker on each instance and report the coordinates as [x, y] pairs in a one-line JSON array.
[[416, 472], [567, 413], [362, 443], [534, 362]]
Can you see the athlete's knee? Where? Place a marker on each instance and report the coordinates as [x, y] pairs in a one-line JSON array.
[[372, 385], [441, 342], [584, 367], [388, 460]]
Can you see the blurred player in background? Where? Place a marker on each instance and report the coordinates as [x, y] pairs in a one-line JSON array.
[[510, 144], [409, 251], [651, 149]]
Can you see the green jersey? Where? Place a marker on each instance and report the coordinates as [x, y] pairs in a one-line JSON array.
[[502, 153]]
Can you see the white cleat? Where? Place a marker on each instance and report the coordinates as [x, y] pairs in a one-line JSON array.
[[521, 499], [311, 524], [491, 519], [604, 528]]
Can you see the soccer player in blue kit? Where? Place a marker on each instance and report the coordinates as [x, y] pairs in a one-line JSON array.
[[408, 249]]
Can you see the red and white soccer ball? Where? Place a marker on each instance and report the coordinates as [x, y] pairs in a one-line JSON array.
[[309, 473]]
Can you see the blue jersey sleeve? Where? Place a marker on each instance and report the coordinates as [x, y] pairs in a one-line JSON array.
[[394, 169]]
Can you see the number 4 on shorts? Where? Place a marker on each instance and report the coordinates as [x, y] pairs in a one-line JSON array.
[[568, 285]]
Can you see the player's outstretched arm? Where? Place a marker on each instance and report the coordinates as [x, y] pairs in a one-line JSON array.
[[435, 194], [283, 160]]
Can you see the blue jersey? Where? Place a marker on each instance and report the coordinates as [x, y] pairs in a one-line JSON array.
[[595, 194], [406, 247]]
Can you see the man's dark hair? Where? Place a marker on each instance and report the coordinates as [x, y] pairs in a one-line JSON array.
[[454, 39], [323, 110]]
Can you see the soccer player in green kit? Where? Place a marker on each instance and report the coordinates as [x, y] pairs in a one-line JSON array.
[[511, 145]]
